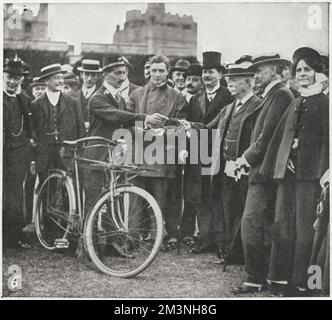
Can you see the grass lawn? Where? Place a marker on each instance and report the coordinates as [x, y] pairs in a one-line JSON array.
[[50, 274]]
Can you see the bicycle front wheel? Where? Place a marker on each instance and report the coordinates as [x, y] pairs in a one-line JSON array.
[[54, 210], [124, 231]]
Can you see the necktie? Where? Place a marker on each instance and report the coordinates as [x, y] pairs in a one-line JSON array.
[[118, 96], [238, 106]]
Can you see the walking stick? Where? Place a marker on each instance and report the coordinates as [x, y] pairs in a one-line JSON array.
[[183, 154], [230, 250]]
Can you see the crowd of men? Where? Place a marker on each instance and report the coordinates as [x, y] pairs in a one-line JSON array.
[[257, 207]]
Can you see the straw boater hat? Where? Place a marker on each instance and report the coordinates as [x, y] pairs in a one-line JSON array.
[[239, 69], [89, 65], [15, 66], [194, 69], [50, 70], [268, 58], [36, 83], [113, 61]]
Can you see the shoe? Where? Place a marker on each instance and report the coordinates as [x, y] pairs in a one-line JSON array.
[[246, 289], [24, 245], [171, 244], [202, 249], [277, 289], [220, 257], [189, 241]]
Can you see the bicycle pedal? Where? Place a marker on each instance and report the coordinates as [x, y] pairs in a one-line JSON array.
[[61, 243]]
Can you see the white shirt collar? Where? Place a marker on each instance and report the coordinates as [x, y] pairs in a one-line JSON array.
[[188, 96], [208, 91], [270, 86], [113, 91], [245, 98], [18, 91], [124, 90], [53, 97], [87, 92]]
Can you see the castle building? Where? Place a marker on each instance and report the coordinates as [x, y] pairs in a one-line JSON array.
[[152, 32], [26, 31]]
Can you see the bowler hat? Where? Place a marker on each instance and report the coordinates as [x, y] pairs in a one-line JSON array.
[[194, 69], [239, 70], [36, 82], [244, 58], [89, 65], [180, 65], [15, 66], [313, 57], [267, 58], [50, 70], [113, 61]]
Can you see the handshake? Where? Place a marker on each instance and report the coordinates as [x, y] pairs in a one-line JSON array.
[[155, 119]]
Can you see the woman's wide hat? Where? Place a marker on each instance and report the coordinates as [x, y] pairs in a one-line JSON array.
[[15, 66]]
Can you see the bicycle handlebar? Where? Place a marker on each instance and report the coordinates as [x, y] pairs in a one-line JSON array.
[[82, 140]]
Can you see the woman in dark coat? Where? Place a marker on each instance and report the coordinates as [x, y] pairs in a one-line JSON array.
[[300, 149]]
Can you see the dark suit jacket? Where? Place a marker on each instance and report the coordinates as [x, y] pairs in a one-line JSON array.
[[273, 107], [69, 121], [251, 110], [132, 87], [106, 116], [313, 145], [197, 111], [83, 103]]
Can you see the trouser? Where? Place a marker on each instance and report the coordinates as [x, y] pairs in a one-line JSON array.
[[188, 223], [30, 181], [166, 193], [14, 171], [257, 219], [233, 195]]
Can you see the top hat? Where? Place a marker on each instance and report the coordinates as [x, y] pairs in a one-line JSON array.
[[239, 69], [244, 58], [194, 69], [180, 65], [211, 60], [50, 70], [36, 82], [15, 66], [268, 58], [89, 65], [311, 54], [113, 61]]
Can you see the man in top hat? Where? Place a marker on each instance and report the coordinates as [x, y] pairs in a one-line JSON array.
[[57, 117], [127, 87], [177, 75], [17, 143], [260, 202], [89, 72], [107, 112], [203, 108], [37, 87], [157, 96]]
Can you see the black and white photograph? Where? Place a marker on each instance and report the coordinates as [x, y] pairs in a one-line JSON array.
[[170, 150]]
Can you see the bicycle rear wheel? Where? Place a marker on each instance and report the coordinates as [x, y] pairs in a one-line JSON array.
[[55, 210], [123, 233]]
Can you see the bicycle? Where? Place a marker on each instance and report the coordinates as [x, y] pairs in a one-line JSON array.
[[122, 231]]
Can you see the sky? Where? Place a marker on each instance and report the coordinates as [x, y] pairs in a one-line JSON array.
[[233, 29]]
